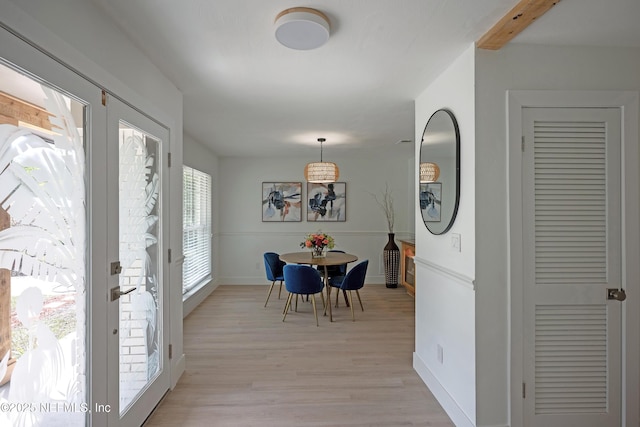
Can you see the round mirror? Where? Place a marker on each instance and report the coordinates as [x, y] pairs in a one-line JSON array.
[[439, 172]]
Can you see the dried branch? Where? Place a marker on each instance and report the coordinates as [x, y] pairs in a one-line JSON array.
[[386, 203]]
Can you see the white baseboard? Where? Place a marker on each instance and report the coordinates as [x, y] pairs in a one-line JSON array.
[[194, 300], [457, 415], [261, 280]]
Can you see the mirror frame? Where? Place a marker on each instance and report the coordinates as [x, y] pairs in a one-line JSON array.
[[457, 173]]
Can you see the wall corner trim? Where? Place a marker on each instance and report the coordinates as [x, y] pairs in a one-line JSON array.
[[178, 369]]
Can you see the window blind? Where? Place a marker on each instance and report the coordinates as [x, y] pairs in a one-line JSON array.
[[196, 228]]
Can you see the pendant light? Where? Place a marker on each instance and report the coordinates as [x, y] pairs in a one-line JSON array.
[[321, 172], [429, 172]]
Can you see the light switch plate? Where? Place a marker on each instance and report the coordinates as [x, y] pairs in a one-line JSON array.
[[455, 242]]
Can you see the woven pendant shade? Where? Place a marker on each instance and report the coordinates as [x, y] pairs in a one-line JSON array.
[[321, 172], [429, 172]]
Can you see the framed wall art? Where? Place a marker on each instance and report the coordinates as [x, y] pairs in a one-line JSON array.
[[327, 202], [431, 201], [281, 201]]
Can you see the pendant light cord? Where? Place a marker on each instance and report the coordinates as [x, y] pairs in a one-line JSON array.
[[321, 140]]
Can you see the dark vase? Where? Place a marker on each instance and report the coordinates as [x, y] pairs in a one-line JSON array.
[[391, 262]]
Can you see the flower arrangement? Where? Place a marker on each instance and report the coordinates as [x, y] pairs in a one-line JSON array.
[[317, 242]]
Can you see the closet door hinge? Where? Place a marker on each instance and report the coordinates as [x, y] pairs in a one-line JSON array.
[[104, 97], [169, 159], [523, 143], [169, 255], [170, 351], [524, 390]]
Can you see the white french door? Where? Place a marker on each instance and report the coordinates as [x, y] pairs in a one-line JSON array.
[[572, 263], [138, 362], [49, 282], [82, 185]]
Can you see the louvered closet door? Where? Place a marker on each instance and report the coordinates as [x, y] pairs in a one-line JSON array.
[[572, 250]]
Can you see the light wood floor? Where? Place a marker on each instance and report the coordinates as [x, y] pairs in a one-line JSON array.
[[245, 367]]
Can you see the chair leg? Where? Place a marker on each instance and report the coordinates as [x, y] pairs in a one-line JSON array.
[[329, 299], [286, 306], [280, 291], [337, 296], [353, 317], [358, 294], [269, 294], [315, 313], [344, 293], [324, 304], [297, 303]]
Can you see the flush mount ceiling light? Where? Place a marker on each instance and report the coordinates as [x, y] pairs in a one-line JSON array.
[[302, 28], [429, 172], [321, 172]]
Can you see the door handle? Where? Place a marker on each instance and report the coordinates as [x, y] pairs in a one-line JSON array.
[[616, 294], [116, 293]]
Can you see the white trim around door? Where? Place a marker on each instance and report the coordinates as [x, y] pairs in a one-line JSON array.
[[628, 102]]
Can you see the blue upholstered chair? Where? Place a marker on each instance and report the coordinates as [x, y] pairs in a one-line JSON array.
[[352, 281], [302, 280], [273, 266]]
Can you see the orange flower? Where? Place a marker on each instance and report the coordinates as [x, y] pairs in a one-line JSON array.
[[318, 240]]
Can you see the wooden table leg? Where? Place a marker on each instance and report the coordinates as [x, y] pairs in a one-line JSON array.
[[326, 285]]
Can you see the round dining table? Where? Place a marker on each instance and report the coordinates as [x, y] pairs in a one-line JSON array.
[[331, 258]]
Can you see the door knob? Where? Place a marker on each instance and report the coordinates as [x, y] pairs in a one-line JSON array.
[[616, 294]]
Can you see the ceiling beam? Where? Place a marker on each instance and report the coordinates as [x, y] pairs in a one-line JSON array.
[[515, 21]]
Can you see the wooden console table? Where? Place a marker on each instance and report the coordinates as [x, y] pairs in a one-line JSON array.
[[407, 266]]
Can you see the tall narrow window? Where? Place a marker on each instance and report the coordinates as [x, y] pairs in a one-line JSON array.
[[196, 228]]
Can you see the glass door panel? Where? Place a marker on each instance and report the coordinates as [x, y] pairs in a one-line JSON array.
[[140, 339], [43, 298], [138, 360]]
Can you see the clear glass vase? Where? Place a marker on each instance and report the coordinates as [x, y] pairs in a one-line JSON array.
[[318, 252]]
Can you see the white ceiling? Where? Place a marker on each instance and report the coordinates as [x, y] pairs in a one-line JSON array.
[[246, 95]]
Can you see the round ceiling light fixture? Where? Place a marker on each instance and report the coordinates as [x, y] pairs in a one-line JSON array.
[[302, 28]]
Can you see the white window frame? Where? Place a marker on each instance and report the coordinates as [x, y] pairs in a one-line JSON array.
[[196, 229]]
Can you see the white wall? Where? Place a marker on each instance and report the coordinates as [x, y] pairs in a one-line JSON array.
[[445, 298], [198, 156], [77, 33], [473, 327], [520, 67], [243, 237]]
